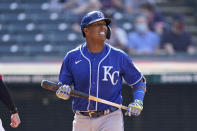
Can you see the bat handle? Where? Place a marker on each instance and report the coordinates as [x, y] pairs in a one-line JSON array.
[[124, 107]]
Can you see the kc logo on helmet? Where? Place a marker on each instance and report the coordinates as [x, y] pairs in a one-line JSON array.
[[100, 15]]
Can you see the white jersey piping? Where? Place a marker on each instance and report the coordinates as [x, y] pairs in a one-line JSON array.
[[90, 75], [98, 73]]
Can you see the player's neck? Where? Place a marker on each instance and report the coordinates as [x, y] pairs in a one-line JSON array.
[[95, 47]]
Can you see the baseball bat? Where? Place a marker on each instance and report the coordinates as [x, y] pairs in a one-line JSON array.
[[52, 86]]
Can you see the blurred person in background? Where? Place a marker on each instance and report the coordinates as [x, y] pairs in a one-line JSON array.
[[177, 39], [78, 7], [142, 40], [76, 25], [111, 5], [7, 101], [63, 5], [156, 20], [118, 35], [193, 4], [89, 6], [133, 6], [92, 5]]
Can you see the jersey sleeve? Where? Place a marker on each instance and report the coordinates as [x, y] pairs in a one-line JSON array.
[[130, 73], [65, 76], [5, 97]]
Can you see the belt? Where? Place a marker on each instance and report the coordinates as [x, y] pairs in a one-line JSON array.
[[95, 114]]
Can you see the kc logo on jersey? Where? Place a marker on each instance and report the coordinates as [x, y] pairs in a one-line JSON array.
[[111, 76]]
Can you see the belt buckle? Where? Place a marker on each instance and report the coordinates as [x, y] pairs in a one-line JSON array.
[[90, 113]]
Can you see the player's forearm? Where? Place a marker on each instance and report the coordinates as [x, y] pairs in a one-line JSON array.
[[6, 98], [139, 89], [139, 94]]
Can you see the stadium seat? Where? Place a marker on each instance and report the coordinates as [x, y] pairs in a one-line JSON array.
[[8, 17], [56, 37], [25, 38], [31, 25], [39, 17], [33, 7], [127, 26], [4, 6], [63, 49], [3, 29], [10, 50], [32, 50], [46, 27], [10, 7], [14, 28], [7, 39], [4, 50], [31, 1]]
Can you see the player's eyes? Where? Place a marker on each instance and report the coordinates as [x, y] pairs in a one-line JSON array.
[[98, 24]]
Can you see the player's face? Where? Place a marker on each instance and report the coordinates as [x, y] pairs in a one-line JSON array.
[[97, 30]]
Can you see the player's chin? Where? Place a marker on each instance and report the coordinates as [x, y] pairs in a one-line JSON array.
[[102, 37]]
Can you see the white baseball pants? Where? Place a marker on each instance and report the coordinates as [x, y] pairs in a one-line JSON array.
[[109, 122], [1, 126]]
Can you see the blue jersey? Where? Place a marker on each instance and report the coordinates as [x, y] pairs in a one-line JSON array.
[[98, 74]]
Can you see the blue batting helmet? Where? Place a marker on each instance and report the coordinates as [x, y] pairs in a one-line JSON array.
[[92, 17]]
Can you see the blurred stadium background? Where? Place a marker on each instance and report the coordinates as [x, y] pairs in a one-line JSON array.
[[33, 42]]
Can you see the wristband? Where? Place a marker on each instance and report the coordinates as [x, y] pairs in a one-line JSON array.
[[139, 94]]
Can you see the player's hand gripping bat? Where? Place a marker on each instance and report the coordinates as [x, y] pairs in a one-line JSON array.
[[49, 85]]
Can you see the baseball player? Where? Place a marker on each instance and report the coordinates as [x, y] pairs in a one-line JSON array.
[[98, 69], [7, 100]]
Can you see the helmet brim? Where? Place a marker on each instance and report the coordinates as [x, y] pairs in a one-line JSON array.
[[108, 21]]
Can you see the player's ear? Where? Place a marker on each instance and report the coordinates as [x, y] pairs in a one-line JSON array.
[[85, 30]]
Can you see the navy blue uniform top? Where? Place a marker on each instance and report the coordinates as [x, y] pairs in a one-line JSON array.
[[5, 97], [98, 74]]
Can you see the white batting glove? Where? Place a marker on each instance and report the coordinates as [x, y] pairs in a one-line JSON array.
[[64, 92], [135, 108]]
